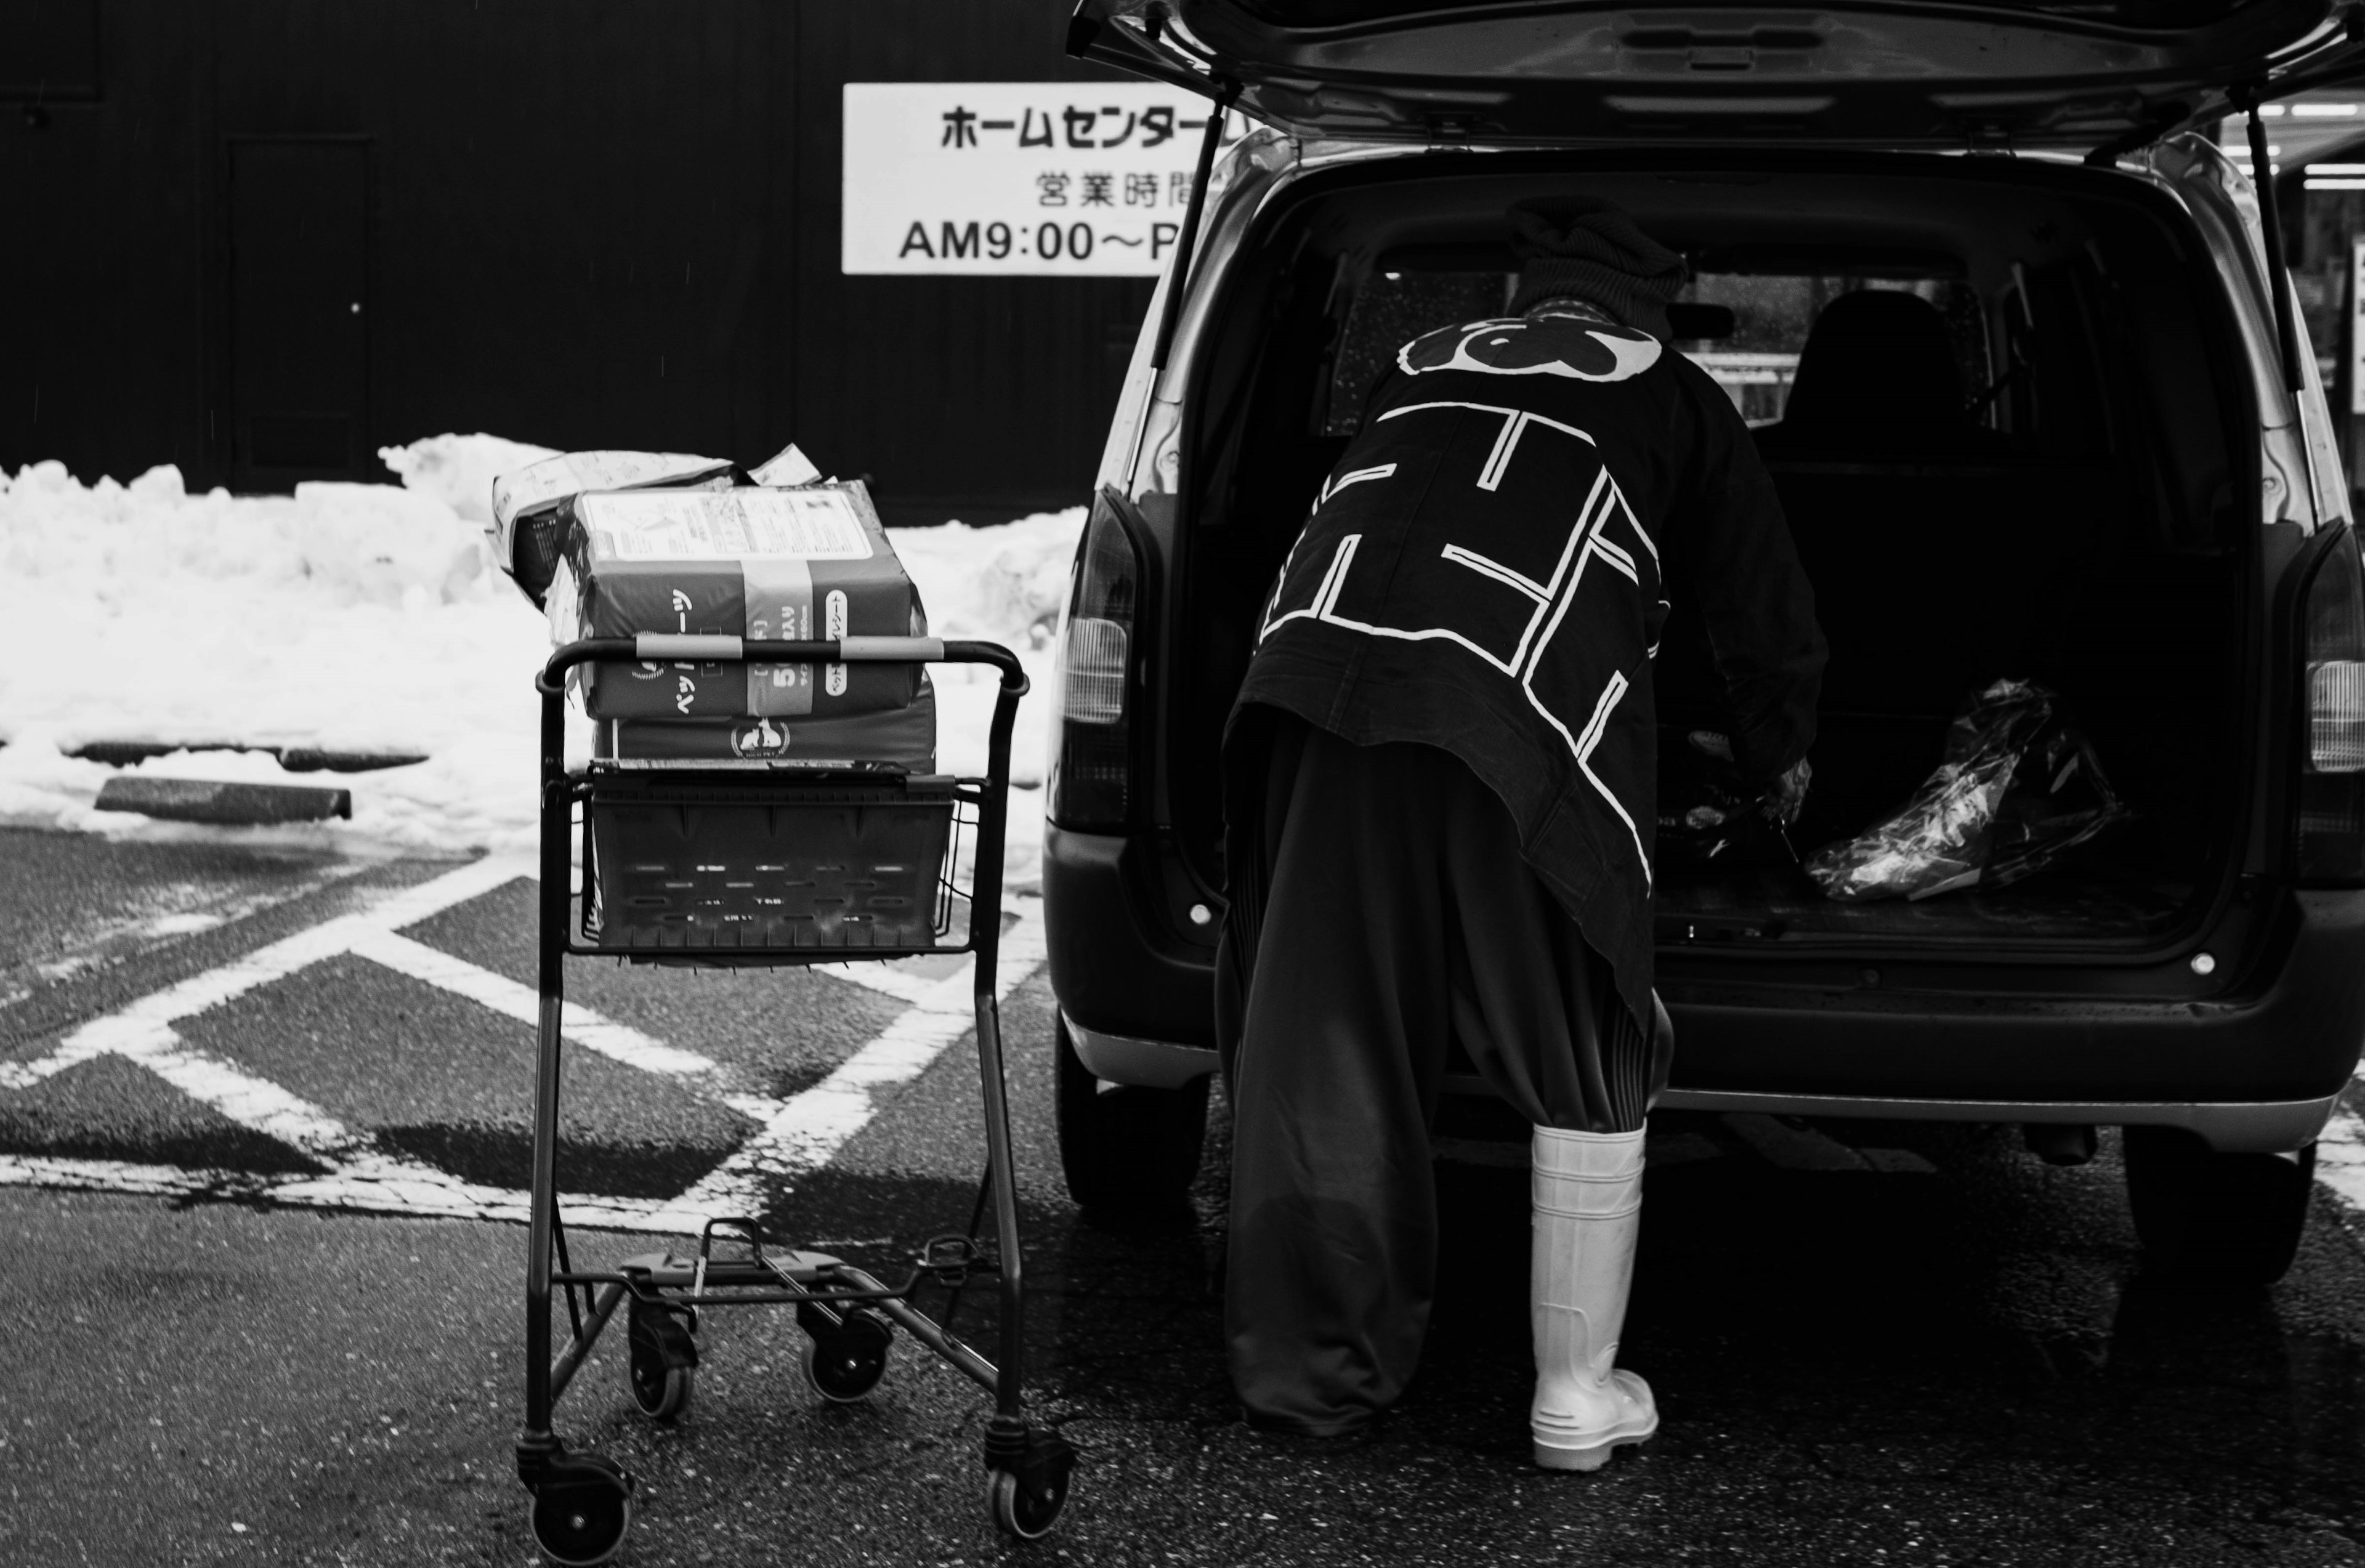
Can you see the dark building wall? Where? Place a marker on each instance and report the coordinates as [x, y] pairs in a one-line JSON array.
[[590, 223], [103, 307]]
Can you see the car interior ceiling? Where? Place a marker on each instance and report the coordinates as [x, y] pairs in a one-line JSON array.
[[2004, 453]]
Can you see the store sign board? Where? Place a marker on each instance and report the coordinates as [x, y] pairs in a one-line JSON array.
[[1017, 179]]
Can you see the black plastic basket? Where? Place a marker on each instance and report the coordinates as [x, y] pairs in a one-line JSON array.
[[695, 863]]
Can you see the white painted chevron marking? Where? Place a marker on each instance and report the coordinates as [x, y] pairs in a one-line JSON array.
[[2340, 1158], [503, 995], [888, 979], [797, 1135], [119, 1176], [109, 942], [145, 1023], [249, 1100], [390, 1187], [808, 1130]]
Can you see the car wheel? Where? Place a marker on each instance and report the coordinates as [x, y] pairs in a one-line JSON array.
[[2212, 1218], [1130, 1153]]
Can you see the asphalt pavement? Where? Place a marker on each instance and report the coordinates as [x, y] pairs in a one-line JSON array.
[[261, 1137]]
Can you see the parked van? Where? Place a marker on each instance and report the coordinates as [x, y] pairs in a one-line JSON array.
[[2116, 478]]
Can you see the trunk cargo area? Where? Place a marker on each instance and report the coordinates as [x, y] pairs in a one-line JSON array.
[[2083, 521], [1933, 579]]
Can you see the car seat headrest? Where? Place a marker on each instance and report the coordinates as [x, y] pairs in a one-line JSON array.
[[1876, 357]]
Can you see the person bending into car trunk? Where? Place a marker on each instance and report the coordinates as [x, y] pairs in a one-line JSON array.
[[1439, 783]]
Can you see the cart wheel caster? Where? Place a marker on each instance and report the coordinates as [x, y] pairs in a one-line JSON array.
[[844, 1366], [663, 1362], [1026, 1500], [662, 1392], [1019, 1513], [582, 1510]]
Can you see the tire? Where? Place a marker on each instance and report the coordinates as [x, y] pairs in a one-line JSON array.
[[1019, 1514], [581, 1517], [662, 1392], [845, 1368], [662, 1362], [2206, 1219], [1130, 1154]]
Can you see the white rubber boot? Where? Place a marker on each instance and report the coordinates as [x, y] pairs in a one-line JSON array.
[[1587, 1196]]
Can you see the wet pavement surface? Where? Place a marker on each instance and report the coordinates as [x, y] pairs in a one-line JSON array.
[[1937, 1349]]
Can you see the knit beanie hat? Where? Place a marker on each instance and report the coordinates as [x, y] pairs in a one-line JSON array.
[[1589, 248]]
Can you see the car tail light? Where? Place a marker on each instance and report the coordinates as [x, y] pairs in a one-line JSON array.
[[2331, 793], [1092, 732]]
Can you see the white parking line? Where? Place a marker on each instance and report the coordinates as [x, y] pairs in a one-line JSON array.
[[886, 979], [808, 1129], [131, 1028], [375, 1186], [501, 994], [116, 1176], [249, 1100], [2341, 1157], [175, 910], [797, 1135]]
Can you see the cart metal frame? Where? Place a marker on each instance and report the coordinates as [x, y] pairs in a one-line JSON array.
[[583, 1502]]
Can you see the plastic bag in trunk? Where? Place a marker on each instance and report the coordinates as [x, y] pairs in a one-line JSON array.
[[2020, 786]]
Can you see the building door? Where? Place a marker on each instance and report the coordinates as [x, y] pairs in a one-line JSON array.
[[299, 312]]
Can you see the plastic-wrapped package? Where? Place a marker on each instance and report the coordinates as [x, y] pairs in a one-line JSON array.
[[2020, 785], [528, 531]]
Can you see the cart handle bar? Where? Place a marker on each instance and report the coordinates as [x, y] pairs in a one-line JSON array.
[[658, 646]]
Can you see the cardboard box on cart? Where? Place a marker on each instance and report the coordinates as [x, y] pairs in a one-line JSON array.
[[793, 565]]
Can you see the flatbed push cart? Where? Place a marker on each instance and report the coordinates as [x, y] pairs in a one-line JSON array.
[[753, 865]]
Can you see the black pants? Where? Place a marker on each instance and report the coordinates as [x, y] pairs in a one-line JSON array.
[[1380, 912]]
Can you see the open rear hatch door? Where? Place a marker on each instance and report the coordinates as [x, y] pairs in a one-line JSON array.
[[2068, 73]]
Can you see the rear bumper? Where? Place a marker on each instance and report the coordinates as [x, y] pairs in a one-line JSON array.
[[1119, 965], [1145, 1064], [2287, 1032], [2257, 1068], [2263, 1127]]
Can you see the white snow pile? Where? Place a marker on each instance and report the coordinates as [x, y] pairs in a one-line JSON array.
[[368, 618], [459, 470], [1003, 584]]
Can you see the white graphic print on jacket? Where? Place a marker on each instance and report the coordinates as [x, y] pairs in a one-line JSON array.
[[1537, 345], [1513, 628]]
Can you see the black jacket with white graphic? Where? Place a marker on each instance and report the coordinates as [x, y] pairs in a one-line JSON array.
[[1488, 570]]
